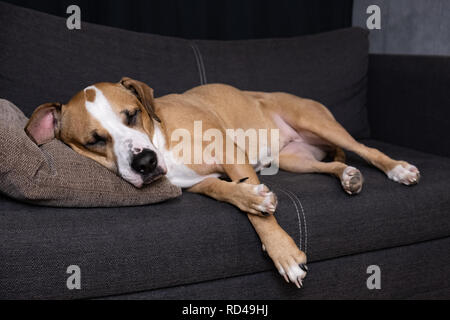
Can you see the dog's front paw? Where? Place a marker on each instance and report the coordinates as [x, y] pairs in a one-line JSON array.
[[264, 200], [404, 173], [288, 259], [255, 199]]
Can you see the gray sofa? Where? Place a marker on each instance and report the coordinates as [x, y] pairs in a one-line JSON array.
[[194, 247]]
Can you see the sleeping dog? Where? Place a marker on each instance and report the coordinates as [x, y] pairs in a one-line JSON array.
[[121, 126]]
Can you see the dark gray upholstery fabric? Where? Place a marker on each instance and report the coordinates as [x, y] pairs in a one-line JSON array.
[[406, 89], [385, 214], [194, 238], [330, 68], [417, 271], [42, 61]]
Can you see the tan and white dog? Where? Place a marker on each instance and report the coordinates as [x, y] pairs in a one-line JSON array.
[[121, 126]]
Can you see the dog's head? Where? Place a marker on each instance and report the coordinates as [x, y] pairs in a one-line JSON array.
[[111, 123]]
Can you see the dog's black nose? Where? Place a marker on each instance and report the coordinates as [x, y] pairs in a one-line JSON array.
[[144, 162]]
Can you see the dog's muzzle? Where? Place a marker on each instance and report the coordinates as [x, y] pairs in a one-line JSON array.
[[145, 163]]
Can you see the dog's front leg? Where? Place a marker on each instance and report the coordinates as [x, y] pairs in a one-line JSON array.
[[288, 258], [250, 198]]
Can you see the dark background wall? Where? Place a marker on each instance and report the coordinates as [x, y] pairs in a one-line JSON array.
[[209, 19]]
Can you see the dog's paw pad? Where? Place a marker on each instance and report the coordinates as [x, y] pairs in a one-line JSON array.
[[406, 174], [352, 180]]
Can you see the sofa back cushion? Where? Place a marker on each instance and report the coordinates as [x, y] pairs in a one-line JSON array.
[[42, 61], [330, 68]]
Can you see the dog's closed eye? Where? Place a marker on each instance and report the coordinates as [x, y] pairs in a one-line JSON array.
[[131, 116], [96, 141]]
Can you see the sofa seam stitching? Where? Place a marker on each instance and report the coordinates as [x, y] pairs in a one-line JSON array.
[[290, 195], [298, 217], [205, 80], [304, 219], [200, 63]]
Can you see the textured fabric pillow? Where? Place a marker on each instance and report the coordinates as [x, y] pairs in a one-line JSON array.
[[55, 175]]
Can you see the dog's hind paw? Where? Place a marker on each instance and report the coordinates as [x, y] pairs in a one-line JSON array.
[[404, 173], [352, 180]]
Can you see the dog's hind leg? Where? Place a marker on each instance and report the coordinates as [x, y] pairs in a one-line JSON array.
[[295, 158], [310, 116], [333, 132]]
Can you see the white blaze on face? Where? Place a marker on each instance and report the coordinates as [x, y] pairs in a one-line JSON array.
[[126, 141]]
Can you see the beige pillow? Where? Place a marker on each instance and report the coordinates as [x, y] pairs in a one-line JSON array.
[[55, 175]]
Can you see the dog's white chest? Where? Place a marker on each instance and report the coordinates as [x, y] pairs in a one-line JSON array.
[[177, 172]]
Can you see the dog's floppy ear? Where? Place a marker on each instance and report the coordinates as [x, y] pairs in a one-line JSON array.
[[43, 125], [143, 92]]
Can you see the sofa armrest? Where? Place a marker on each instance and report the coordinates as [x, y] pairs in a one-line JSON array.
[[409, 101]]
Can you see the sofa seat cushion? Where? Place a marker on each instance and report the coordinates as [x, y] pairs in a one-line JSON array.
[[194, 238]]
